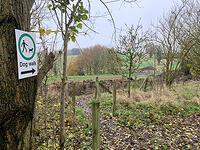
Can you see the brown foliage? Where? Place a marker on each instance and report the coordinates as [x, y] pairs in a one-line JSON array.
[[73, 68], [94, 60]]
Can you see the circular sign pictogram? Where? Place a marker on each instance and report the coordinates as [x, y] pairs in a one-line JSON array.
[[27, 47]]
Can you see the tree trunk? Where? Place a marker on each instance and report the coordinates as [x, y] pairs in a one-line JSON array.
[[62, 99], [64, 91], [17, 99], [129, 77], [17, 96], [129, 87]]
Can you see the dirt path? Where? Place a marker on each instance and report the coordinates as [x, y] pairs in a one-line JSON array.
[[113, 135], [82, 103]]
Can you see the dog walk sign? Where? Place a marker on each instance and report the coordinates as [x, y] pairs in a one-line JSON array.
[[26, 54]]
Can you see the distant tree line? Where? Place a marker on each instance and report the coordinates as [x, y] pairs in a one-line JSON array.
[[94, 60], [74, 51]]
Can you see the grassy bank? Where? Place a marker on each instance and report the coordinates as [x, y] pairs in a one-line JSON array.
[[164, 119]]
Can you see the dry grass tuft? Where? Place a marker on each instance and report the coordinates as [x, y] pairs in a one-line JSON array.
[[164, 95], [196, 100]]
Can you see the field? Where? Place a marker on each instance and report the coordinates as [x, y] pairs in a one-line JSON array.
[[160, 118], [52, 77], [104, 76]]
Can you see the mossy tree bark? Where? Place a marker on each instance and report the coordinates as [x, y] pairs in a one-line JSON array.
[[17, 97]]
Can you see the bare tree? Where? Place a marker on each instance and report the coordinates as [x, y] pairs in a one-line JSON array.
[[132, 51], [192, 32], [174, 36]]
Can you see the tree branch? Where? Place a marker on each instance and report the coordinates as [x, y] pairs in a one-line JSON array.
[[48, 65]]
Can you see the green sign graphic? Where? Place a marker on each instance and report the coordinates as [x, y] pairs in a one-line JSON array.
[[19, 44]]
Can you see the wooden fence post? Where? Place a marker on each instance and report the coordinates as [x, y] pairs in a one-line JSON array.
[[95, 92], [114, 98], [96, 118], [97, 89], [95, 125]]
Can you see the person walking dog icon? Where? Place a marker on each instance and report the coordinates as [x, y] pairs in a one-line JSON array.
[[23, 45]]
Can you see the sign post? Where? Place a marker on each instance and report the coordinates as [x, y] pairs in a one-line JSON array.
[[26, 54]]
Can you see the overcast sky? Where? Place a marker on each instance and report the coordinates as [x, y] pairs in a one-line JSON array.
[[148, 10]]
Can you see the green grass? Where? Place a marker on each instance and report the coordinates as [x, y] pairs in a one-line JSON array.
[[153, 62], [141, 115], [187, 93], [181, 102], [163, 121], [76, 129], [57, 78], [93, 76], [149, 62]]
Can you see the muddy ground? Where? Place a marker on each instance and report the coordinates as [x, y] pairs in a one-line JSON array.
[[87, 87]]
